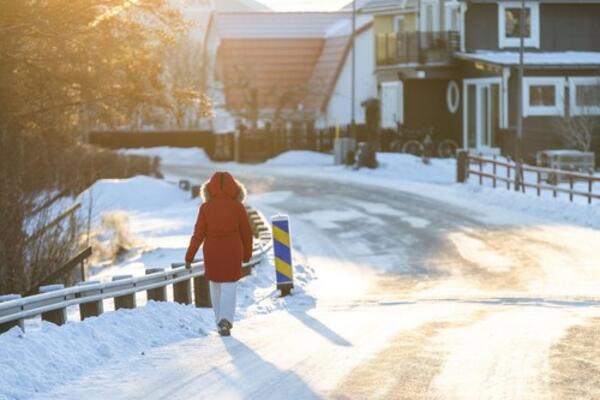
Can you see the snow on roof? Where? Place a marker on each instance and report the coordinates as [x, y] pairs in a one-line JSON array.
[[359, 4], [375, 6], [541, 59], [330, 63], [344, 26], [278, 25], [239, 5]]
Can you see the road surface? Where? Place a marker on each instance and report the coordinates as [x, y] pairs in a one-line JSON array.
[[415, 299]]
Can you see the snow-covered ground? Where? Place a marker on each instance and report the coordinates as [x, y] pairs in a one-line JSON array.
[[436, 180], [408, 286]]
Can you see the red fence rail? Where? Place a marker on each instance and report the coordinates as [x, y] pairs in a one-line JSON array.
[[514, 176]]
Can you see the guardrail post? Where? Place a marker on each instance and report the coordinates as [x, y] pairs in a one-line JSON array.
[[182, 291], [160, 293], [462, 162], [58, 317], [125, 301], [11, 324], [202, 292], [92, 308]]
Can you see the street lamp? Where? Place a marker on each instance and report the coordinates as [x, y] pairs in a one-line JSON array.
[[519, 141], [353, 86]]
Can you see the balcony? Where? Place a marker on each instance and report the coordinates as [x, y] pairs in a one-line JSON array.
[[416, 48]]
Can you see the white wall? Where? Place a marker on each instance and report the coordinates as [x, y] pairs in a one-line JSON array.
[[339, 107]]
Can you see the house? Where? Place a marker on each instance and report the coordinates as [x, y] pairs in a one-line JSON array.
[[453, 64], [415, 68], [287, 67], [561, 78]]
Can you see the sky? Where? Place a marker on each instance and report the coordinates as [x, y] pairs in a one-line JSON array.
[[305, 5]]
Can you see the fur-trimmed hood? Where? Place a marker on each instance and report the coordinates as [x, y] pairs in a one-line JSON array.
[[223, 184]]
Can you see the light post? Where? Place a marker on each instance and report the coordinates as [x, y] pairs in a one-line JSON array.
[[353, 86], [519, 141]]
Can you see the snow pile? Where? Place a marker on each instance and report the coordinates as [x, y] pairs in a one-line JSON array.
[[437, 180], [38, 360], [301, 158], [172, 155], [411, 168]]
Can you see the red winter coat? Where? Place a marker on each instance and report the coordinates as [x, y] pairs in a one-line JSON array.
[[223, 226]]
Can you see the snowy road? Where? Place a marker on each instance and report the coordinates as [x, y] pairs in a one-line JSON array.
[[414, 299]]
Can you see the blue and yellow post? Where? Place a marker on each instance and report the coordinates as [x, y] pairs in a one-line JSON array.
[[282, 247]]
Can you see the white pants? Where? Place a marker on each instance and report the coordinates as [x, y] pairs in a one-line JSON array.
[[222, 295]]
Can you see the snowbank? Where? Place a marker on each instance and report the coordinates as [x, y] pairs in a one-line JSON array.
[[46, 356], [437, 180], [301, 158], [172, 155], [133, 194], [36, 361]]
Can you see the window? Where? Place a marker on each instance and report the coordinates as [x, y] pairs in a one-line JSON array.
[[399, 24], [452, 17], [509, 24], [512, 25], [452, 97], [543, 96], [584, 95]]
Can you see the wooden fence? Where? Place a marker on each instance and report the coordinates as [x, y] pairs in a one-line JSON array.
[[52, 301], [515, 176]]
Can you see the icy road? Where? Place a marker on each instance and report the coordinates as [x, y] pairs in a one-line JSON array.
[[415, 299]]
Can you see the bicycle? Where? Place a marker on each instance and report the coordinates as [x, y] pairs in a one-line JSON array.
[[421, 142]]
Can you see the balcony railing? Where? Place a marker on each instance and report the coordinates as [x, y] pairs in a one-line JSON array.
[[416, 48]]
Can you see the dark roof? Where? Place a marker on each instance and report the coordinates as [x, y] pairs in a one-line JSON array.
[[378, 6], [296, 62], [276, 24]]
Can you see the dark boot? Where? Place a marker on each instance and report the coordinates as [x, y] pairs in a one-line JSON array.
[[225, 327]]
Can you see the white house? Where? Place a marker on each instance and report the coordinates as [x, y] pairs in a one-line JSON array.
[[298, 64]]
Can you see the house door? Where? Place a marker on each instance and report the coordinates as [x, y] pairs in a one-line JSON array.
[[430, 16], [482, 113], [392, 104]]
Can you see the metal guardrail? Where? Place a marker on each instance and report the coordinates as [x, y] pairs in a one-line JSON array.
[[53, 300]]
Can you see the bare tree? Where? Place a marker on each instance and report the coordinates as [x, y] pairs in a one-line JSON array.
[[578, 129], [185, 101]]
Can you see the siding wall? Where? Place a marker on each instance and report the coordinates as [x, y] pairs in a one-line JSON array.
[[385, 23], [570, 27], [425, 105], [339, 106], [562, 27]]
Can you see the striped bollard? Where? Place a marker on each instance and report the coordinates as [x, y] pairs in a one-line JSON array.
[[282, 247]]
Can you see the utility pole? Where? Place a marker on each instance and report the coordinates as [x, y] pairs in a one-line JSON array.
[[353, 96], [519, 141]]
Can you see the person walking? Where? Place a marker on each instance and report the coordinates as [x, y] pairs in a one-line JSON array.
[[224, 228]]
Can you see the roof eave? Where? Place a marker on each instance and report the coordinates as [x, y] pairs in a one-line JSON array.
[[466, 57]]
